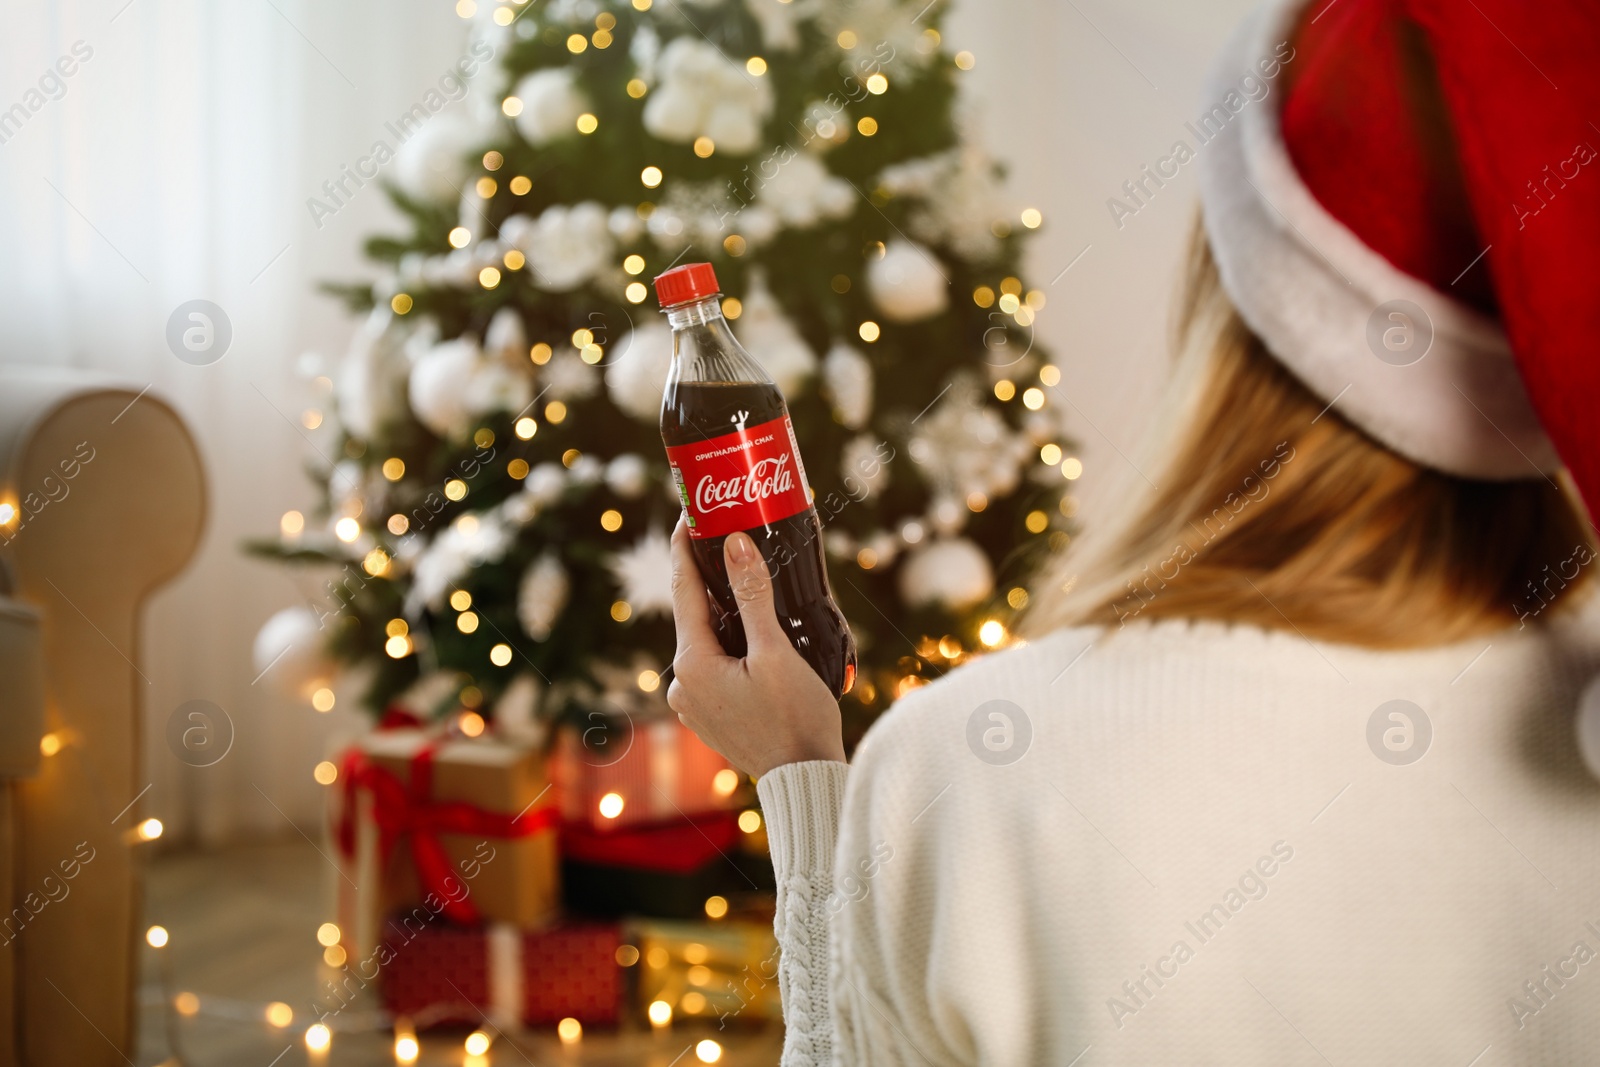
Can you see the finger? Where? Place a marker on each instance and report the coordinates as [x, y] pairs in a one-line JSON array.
[[691, 614], [752, 586]]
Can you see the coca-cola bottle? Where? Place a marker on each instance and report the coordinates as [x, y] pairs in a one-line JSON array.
[[737, 467]]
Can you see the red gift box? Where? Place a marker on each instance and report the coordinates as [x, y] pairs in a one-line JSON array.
[[443, 973], [654, 772]]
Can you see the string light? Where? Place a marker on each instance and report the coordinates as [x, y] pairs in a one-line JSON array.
[[869, 331], [460, 237], [1031, 218], [347, 529], [570, 457], [325, 773], [756, 66], [318, 1037], [724, 782], [517, 469], [649, 681], [704, 146], [716, 908], [50, 744], [1049, 374], [511, 106], [540, 353], [750, 821], [1036, 521], [406, 1049], [526, 428], [455, 489], [966, 60], [334, 956], [1033, 398], [846, 39], [732, 308], [1050, 454], [187, 1004], [149, 829], [708, 1051], [467, 622], [576, 43], [660, 1013], [471, 723], [493, 160], [601, 38], [514, 260], [156, 936], [279, 1014], [867, 126], [636, 292], [587, 123], [398, 524], [992, 633], [398, 647], [1004, 390], [1009, 302], [637, 88], [477, 1043], [877, 84], [1072, 468], [376, 563], [466, 8], [570, 1030], [489, 277], [7, 513], [1017, 597], [500, 654], [486, 187], [311, 418], [734, 245], [394, 468], [650, 177], [520, 185], [400, 303], [611, 805], [621, 610]]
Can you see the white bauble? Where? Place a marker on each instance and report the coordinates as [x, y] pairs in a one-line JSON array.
[[434, 162], [772, 338], [551, 104], [586, 470], [506, 340], [779, 19], [289, 648], [453, 382], [628, 475], [566, 246], [371, 385], [803, 191], [848, 378], [907, 283], [953, 574], [541, 596], [947, 515], [734, 126], [545, 483], [625, 224], [637, 375], [673, 113], [862, 467]]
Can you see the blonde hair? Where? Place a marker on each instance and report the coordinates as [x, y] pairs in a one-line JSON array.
[[1270, 509]]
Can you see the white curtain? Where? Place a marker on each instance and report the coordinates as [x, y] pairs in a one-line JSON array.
[[175, 162]]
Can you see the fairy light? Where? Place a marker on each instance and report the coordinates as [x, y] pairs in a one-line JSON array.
[[311, 418], [949, 647], [660, 1013], [611, 520], [517, 469], [156, 936], [466, 8], [279, 1014], [471, 724], [626, 955], [397, 647], [467, 622], [877, 84], [406, 1049], [318, 1037], [486, 187], [493, 160], [347, 529], [323, 699], [477, 1043], [1009, 303], [1036, 522], [866, 126], [334, 956], [489, 277], [1004, 390], [716, 907], [869, 331], [621, 610], [514, 260], [1017, 597], [637, 88], [966, 60], [540, 353], [992, 633], [455, 489], [611, 805], [649, 681], [325, 773], [1072, 468], [50, 744], [708, 1051], [376, 563], [576, 43], [555, 412], [150, 829], [1033, 398], [846, 39], [734, 245], [526, 428], [398, 524], [1050, 374], [636, 292], [732, 308], [460, 237], [570, 1030], [187, 1004], [704, 146], [400, 303], [601, 38], [520, 185], [500, 654], [650, 177], [587, 123], [570, 457], [750, 821], [1050, 455]]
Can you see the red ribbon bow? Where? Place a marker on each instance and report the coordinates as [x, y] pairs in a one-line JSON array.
[[407, 809]]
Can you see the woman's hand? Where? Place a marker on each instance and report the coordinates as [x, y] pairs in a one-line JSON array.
[[760, 712]]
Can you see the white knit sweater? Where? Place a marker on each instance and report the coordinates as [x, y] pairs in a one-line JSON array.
[[1200, 858]]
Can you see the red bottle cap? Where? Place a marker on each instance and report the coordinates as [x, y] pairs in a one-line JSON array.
[[680, 285]]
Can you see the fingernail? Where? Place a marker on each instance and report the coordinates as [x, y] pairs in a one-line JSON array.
[[740, 548]]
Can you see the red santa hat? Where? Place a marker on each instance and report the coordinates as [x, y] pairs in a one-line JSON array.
[[1403, 199]]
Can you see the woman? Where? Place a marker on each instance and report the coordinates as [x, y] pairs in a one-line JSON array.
[[1286, 771]]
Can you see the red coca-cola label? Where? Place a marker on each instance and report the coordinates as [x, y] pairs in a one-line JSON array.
[[738, 481]]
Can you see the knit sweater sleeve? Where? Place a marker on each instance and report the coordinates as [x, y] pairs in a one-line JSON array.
[[802, 805]]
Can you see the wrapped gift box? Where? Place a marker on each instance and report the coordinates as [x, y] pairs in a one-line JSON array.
[[659, 769], [445, 973], [665, 870], [463, 829], [724, 970]]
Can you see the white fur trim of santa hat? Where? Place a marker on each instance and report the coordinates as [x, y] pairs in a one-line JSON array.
[[1445, 393]]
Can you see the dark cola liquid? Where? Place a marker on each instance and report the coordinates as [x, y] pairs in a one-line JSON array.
[[699, 411]]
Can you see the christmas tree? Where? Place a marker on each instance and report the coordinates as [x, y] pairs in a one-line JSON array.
[[501, 505]]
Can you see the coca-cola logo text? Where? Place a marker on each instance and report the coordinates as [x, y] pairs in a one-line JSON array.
[[766, 479]]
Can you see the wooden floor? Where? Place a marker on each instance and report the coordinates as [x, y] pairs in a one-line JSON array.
[[243, 925]]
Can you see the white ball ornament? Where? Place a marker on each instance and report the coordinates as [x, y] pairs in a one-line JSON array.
[[637, 374], [906, 284], [628, 475], [952, 574], [289, 649], [433, 164], [551, 104]]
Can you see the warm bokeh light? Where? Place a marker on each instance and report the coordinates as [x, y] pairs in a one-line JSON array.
[[500, 655], [279, 1014], [406, 1049], [649, 681], [150, 829], [992, 633], [328, 934], [724, 782], [477, 1043], [291, 524], [471, 723], [325, 773], [50, 744], [651, 177], [318, 1037], [347, 529], [708, 1051], [750, 821], [660, 1013], [1071, 468], [156, 936], [716, 907], [611, 805], [569, 1030]]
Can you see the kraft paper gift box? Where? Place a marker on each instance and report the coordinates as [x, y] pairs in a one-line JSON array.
[[464, 829]]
